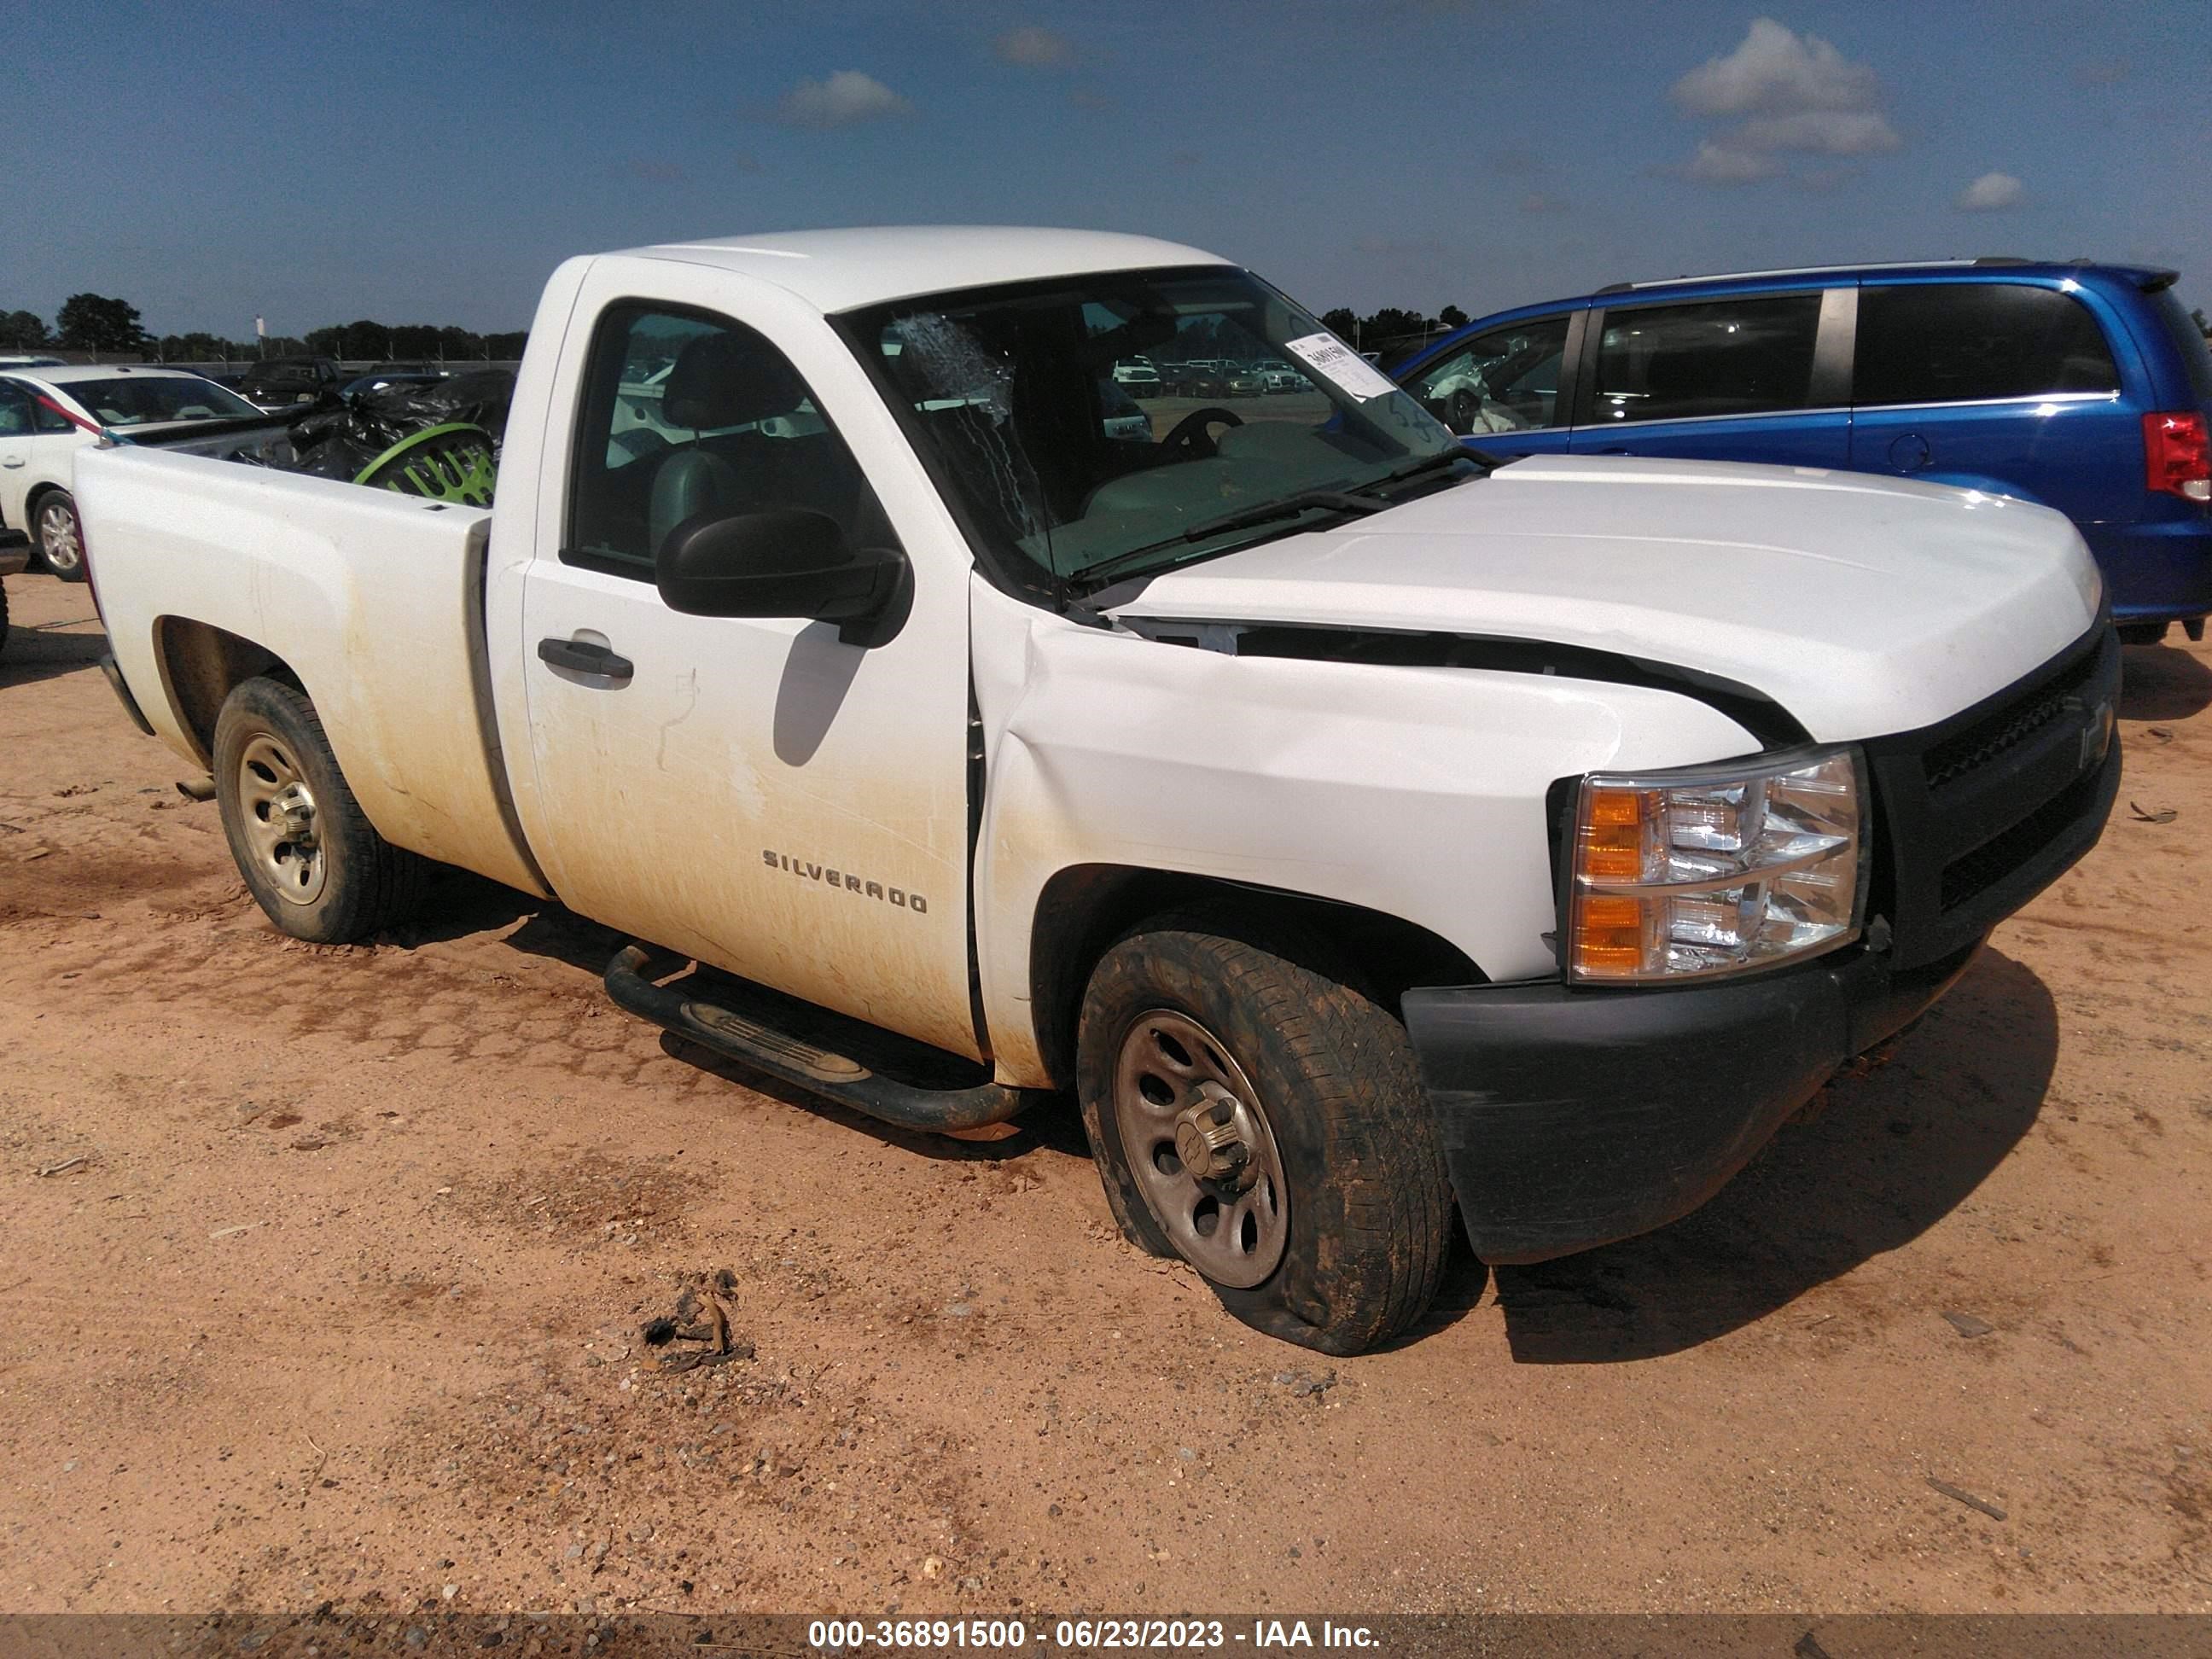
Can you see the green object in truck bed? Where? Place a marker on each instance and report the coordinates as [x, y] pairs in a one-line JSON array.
[[449, 463]]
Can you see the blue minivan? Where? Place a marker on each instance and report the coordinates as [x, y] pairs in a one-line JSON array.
[[2086, 387]]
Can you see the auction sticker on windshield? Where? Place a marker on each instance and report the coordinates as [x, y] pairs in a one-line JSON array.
[[1344, 368]]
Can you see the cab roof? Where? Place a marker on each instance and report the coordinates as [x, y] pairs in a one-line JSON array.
[[839, 269]]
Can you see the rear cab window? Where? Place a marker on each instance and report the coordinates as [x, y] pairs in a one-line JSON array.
[[1941, 343], [1749, 354]]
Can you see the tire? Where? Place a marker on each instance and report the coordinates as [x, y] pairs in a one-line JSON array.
[[3, 619], [62, 554], [312, 860], [2141, 633], [1349, 1251]]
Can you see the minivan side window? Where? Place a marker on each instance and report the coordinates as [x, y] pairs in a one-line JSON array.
[[1507, 380], [1945, 342], [1734, 356], [685, 414]]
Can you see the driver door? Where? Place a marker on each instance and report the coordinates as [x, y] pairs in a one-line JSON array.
[[753, 793]]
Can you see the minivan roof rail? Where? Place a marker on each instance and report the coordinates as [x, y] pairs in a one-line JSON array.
[[1819, 271]]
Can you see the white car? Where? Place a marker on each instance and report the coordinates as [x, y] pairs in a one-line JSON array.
[[1374, 842], [1138, 376], [48, 414]]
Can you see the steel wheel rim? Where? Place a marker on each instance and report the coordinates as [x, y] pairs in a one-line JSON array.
[[57, 536], [1233, 1230], [277, 810]]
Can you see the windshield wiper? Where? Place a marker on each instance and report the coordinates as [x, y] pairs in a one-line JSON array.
[[1284, 507], [1359, 503], [1356, 502], [1437, 462]]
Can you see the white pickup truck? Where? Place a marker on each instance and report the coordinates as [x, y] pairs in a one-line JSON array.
[[1357, 831]]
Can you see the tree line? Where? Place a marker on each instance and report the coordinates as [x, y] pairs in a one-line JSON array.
[[96, 322], [1392, 332], [101, 323]]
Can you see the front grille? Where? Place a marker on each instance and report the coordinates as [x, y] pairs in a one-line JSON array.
[[1966, 752], [1978, 813], [1969, 877]]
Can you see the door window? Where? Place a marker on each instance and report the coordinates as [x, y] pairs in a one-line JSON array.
[[686, 414], [1940, 343], [1733, 357], [14, 411], [1507, 380]]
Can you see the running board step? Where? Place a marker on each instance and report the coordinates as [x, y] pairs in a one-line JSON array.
[[780, 1053]]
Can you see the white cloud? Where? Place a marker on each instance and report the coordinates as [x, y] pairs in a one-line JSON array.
[[1990, 192], [1777, 70], [1035, 48], [1722, 164], [1821, 132], [843, 97], [1787, 93]]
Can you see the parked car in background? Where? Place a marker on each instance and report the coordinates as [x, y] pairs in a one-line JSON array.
[[379, 379], [287, 382], [1246, 381], [2086, 387], [47, 415], [31, 362], [1138, 376], [1280, 377]]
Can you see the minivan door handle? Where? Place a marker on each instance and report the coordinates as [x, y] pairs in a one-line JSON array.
[[582, 657]]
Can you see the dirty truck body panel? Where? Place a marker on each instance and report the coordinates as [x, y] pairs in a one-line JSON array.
[[1389, 709]]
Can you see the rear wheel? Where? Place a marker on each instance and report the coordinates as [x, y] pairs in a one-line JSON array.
[[2141, 633], [311, 858], [1267, 1124], [61, 540]]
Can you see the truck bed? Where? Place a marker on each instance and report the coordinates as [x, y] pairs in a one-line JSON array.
[[375, 600]]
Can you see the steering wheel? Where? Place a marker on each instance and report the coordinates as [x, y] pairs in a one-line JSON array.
[[1463, 406], [1190, 432]]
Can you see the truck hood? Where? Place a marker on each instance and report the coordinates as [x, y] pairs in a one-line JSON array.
[[1861, 606]]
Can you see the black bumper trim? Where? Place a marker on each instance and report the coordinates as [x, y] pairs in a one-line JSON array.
[[1572, 1118]]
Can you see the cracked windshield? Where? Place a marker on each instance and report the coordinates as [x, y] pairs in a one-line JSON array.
[[1108, 426]]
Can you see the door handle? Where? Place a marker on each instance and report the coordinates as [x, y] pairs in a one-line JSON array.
[[582, 657], [13, 460]]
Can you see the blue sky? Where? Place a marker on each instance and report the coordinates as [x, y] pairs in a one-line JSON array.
[[432, 163]]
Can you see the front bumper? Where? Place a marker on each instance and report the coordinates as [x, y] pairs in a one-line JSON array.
[[1572, 1116]]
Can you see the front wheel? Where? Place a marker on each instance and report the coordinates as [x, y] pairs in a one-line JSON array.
[[1268, 1125], [312, 859], [60, 537]]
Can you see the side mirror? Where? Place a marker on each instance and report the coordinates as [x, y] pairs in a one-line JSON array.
[[791, 562]]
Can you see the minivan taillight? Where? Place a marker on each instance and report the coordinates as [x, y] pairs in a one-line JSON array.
[[2177, 458]]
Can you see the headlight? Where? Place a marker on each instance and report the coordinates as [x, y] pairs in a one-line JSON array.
[[1714, 870]]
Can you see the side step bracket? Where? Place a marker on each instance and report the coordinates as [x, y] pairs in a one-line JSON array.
[[765, 1048]]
